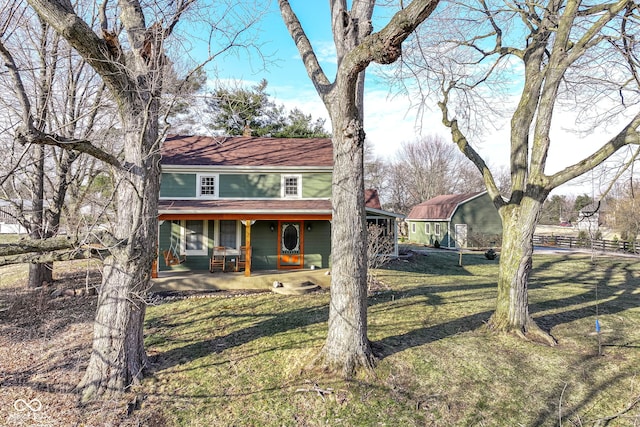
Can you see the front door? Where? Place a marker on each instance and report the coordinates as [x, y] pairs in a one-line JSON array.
[[290, 254]]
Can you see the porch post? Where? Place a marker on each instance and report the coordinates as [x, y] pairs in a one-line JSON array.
[[395, 237], [247, 234]]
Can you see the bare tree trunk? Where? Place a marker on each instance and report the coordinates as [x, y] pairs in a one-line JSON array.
[[118, 358], [38, 273], [132, 70], [347, 347], [516, 261]]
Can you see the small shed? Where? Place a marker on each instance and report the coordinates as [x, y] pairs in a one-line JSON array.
[[456, 221]]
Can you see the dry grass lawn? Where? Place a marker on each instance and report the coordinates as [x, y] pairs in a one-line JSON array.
[[244, 360]]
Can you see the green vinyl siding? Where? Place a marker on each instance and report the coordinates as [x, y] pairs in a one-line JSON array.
[[484, 226], [193, 262], [428, 238], [317, 244], [316, 185], [250, 185], [178, 185], [480, 215], [264, 245], [168, 238], [256, 185]]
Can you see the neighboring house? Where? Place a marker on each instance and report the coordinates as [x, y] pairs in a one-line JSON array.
[[589, 217], [9, 216], [456, 221], [271, 194]]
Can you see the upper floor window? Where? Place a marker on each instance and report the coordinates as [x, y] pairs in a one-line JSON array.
[[208, 186], [291, 186]]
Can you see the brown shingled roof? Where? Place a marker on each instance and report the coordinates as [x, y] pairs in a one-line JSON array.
[[440, 207], [246, 151]]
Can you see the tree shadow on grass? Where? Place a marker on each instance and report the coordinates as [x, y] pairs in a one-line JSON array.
[[283, 322], [270, 325], [397, 343], [561, 408], [601, 297], [276, 324], [445, 262]]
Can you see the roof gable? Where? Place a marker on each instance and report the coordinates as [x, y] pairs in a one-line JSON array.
[[246, 151], [441, 207]]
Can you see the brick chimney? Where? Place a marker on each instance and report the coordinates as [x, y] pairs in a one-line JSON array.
[[247, 130]]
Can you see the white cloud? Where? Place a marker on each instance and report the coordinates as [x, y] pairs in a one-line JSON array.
[[390, 120], [325, 52]]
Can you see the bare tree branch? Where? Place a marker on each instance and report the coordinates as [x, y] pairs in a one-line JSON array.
[[628, 136], [461, 141], [54, 256], [19, 91], [309, 58], [94, 49], [34, 136]]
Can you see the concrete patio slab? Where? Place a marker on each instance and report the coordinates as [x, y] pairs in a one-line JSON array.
[[203, 281]]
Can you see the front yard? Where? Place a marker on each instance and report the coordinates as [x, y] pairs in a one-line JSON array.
[[246, 360]]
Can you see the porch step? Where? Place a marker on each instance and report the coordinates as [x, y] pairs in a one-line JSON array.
[[294, 289]]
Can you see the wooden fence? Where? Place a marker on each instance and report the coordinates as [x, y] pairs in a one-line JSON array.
[[597, 244]]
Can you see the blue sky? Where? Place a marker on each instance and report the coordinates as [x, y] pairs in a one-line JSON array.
[[388, 120], [388, 117]]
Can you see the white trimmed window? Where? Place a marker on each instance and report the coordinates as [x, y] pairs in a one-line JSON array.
[[208, 186], [291, 186], [437, 229], [413, 227], [228, 233], [427, 228], [195, 237]]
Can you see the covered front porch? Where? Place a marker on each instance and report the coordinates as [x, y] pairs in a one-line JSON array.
[[273, 241]]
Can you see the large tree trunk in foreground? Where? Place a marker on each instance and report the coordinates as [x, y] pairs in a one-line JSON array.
[[118, 358], [347, 347], [516, 261]]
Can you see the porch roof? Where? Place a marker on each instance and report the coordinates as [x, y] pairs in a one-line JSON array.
[[245, 209], [256, 209]]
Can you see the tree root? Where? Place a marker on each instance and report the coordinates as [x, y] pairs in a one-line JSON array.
[[360, 363], [529, 332], [536, 334]]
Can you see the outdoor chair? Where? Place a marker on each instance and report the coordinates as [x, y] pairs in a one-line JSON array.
[[218, 258], [241, 259]]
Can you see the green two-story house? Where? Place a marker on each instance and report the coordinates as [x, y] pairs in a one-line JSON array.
[[272, 195]]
